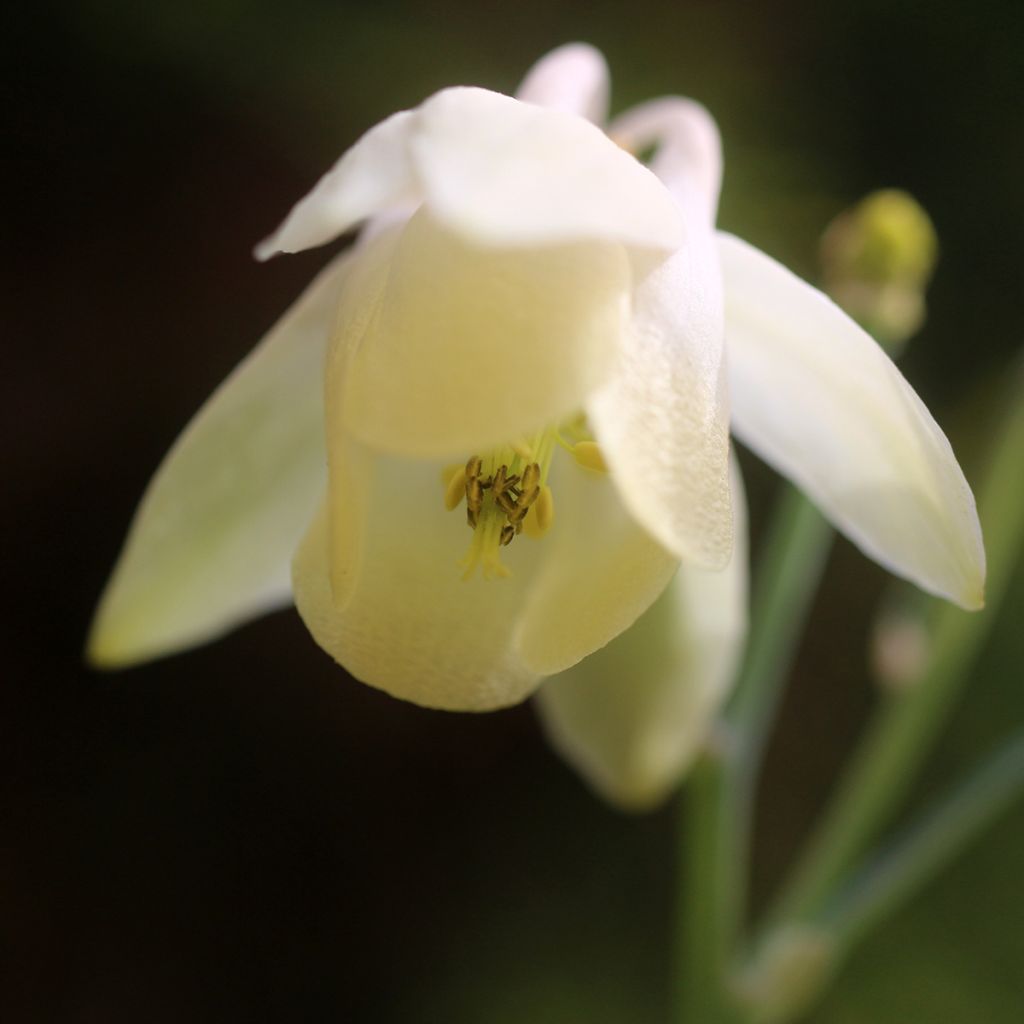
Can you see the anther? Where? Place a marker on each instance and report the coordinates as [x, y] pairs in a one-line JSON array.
[[589, 455], [504, 489], [506, 502], [519, 514], [540, 515], [545, 509], [455, 490], [529, 488], [474, 500], [503, 504], [531, 476], [504, 480]]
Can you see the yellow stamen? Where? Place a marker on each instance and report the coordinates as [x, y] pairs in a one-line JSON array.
[[507, 493]]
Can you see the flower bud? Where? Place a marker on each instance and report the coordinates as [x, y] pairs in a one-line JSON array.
[[787, 974], [877, 259]]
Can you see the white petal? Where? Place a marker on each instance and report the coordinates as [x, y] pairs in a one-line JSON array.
[[499, 171], [632, 717], [404, 620], [601, 571], [444, 348], [573, 78], [820, 401], [688, 158], [663, 419], [212, 540], [370, 177], [506, 173]]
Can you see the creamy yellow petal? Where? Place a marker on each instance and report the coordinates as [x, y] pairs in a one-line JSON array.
[[211, 543], [506, 173], [573, 78], [601, 571], [820, 401], [632, 717], [662, 419], [443, 348], [403, 619]]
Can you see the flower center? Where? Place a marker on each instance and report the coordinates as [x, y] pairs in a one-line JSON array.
[[506, 492]]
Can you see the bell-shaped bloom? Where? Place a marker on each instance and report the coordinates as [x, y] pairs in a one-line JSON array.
[[487, 438], [633, 716]]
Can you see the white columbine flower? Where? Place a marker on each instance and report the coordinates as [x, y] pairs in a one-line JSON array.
[[516, 379]]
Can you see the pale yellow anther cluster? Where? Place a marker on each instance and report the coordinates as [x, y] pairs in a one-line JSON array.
[[506, 493]]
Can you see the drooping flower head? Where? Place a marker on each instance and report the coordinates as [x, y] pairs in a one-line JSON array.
[[517, 380]]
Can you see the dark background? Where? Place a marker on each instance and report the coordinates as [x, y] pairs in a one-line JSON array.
[[242, 833]]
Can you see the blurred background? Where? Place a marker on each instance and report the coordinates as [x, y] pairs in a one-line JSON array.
[[242, 833]]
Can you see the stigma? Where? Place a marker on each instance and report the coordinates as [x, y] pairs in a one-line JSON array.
[[506, 493]]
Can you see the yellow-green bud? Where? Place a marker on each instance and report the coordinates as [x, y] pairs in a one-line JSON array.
[[877, 259]]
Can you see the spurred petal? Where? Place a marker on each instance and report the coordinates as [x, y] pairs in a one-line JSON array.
[[212, 540], [443, 348], [507, 173], [373, 175], [402, 618], [601, 571], [498, 171], [573, 78], [631, 717], [819, 400], [688, 158], [663, 418]]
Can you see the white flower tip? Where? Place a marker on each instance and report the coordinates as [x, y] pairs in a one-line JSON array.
[[640, 795], [130, 628], [310, 223], [102, 650], [115, 642], [267, 249], [573, 78], [973, 597], [636, 778]]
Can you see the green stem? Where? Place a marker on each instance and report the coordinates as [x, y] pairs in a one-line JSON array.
[[888, 881], [787, 578], [890, 755], [704, 941], [788, 574], [719, 798]]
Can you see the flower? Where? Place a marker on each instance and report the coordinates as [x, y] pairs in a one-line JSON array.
[[528, 338]]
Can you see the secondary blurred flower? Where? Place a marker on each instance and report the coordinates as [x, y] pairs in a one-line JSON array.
[[878, 258], [537, 319]]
